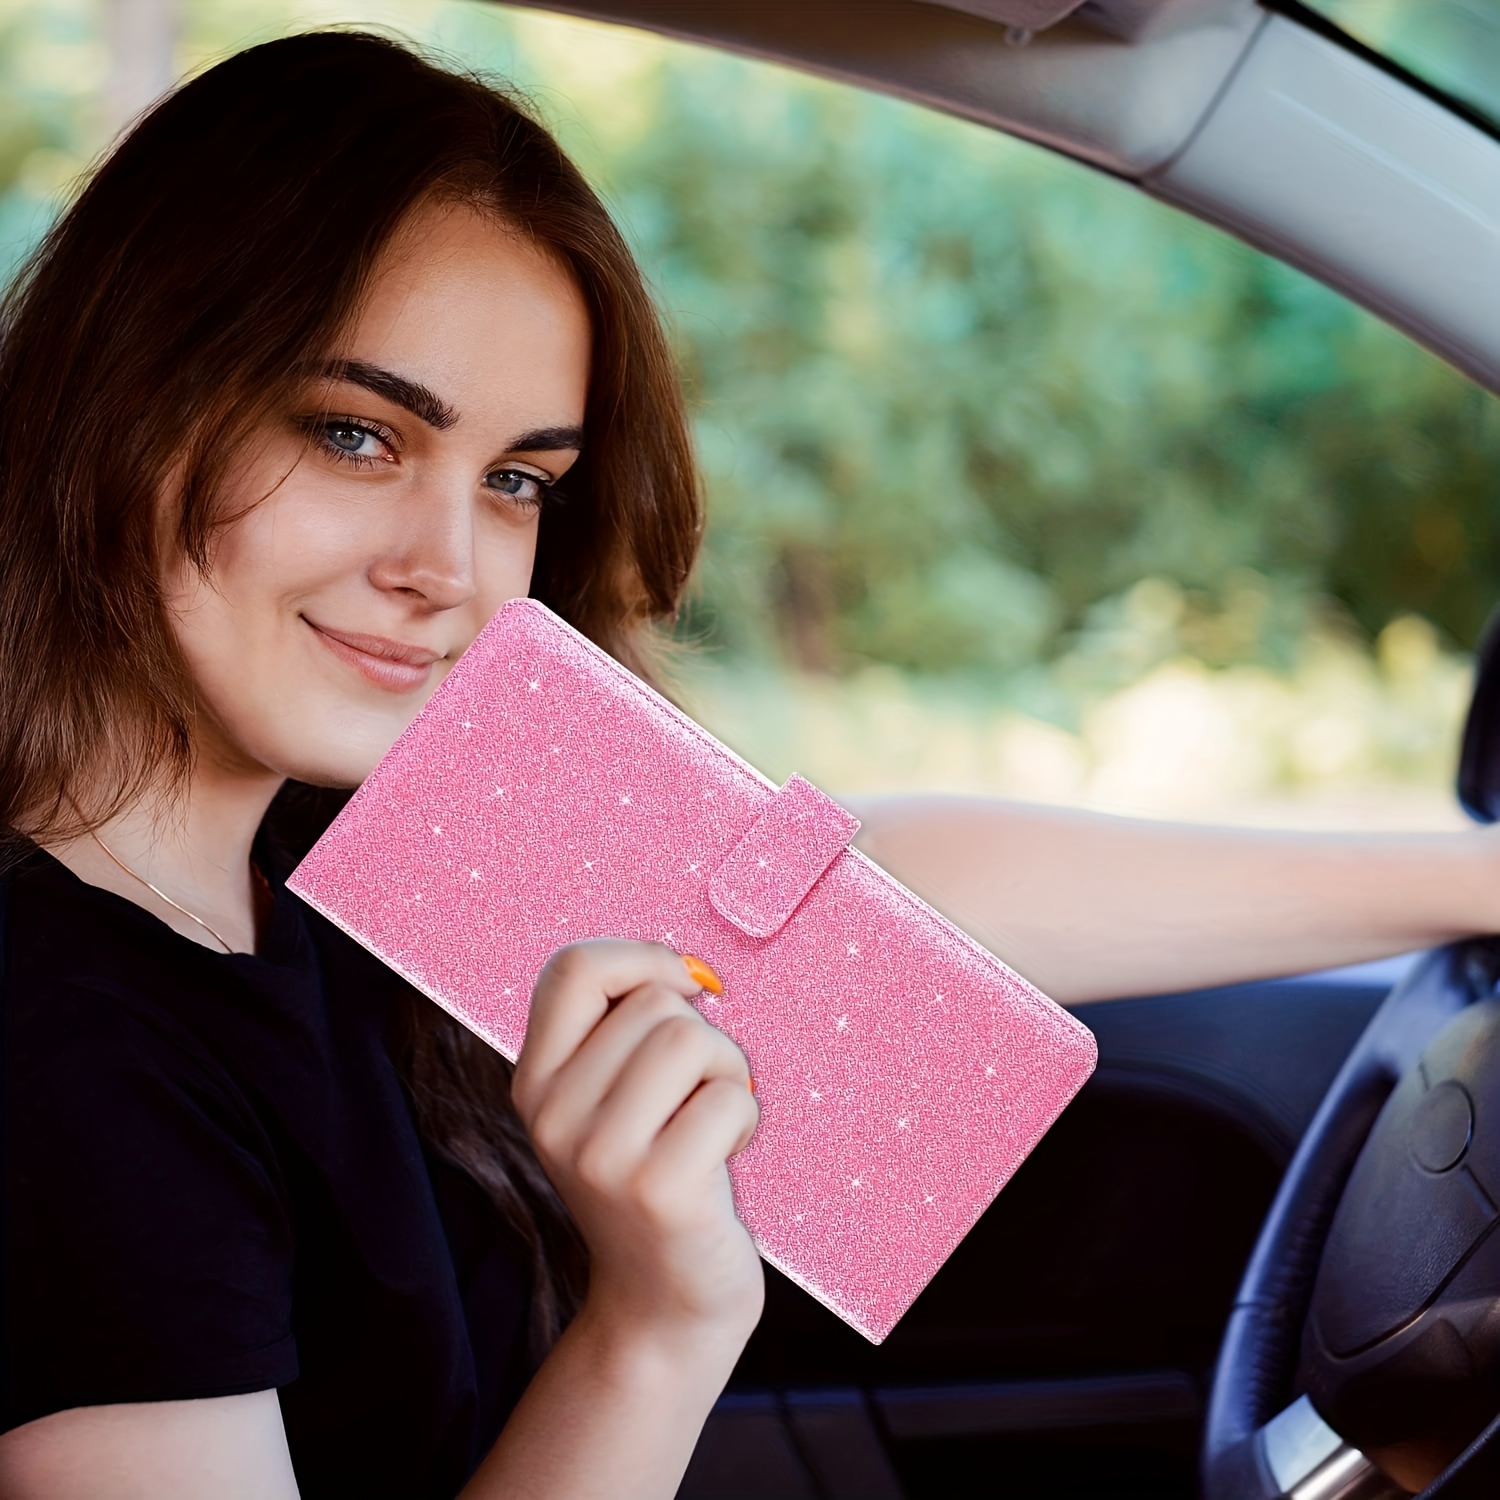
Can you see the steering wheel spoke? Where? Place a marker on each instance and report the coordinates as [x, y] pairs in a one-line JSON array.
[[1307, 1460]]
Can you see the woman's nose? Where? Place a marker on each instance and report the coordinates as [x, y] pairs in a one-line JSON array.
[[429, 552]]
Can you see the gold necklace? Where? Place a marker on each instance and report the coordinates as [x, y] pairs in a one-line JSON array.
[[164, 896]]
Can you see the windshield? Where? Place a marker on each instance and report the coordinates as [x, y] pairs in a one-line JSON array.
[[1452, 45]]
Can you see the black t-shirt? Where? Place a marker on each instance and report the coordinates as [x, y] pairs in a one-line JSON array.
[[214, 1185]]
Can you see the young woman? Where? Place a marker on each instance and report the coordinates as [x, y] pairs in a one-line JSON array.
[[332, 357]]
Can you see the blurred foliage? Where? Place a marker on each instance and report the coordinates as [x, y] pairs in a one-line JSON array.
[[957, 394], [956, 398], [52, 70], [1348, 737]]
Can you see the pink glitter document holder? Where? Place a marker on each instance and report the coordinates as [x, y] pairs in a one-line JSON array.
[[545, 794]]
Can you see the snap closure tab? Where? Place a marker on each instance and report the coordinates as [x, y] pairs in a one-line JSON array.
[[768, 874]]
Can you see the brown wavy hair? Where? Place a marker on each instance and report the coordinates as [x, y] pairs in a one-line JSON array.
[[216, 255]]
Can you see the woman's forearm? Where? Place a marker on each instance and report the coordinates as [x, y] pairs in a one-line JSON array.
[[634, 1105], [1089, 907], [612, 1414]]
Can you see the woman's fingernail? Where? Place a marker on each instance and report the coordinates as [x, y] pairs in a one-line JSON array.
[[751, 1082], [700, 973]]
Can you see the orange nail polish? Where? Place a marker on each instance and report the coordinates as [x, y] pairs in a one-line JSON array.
[[751, 1082], [702, 974]]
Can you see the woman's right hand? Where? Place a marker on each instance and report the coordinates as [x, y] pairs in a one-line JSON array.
[[634, 1104]]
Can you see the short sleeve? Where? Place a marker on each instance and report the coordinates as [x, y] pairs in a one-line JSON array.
[[147, 1250]]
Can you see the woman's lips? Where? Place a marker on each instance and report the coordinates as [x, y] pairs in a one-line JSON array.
[[389, 664]]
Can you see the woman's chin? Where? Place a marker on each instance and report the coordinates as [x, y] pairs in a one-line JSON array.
[[336, 746], [343, 769], [331, 780]]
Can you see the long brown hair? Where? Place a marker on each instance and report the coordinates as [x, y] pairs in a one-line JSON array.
[[213, 258]]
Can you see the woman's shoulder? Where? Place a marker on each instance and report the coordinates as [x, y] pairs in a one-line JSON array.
[[118, 1036], [85, 974], [99, 1047]]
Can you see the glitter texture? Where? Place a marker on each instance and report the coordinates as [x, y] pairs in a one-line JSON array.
[[545, 794], [788, 848]]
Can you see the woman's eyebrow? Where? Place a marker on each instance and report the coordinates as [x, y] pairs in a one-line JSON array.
[[427, 405], [408, 394], [548, 440]]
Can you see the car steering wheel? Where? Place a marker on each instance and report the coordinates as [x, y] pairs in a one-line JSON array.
[[1374, 1288]]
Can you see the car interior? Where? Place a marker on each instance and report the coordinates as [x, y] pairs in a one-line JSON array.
[[1257, 1249]]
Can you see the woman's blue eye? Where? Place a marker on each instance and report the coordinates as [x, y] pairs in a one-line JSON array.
[[352, 441], [355, 442], [515, 484]]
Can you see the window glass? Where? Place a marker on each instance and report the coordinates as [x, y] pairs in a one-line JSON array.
[[1019, 482], [1453, 45]]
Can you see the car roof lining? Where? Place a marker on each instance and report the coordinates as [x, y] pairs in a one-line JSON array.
[[1120, 84], [1026, 15]]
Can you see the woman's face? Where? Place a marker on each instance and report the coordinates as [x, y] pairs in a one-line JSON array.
[[393, 510]]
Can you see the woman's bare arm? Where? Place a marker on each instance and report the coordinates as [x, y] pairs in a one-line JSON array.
[[634, 1104], [1090, 907], [611, 1413], [231, 1447]]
